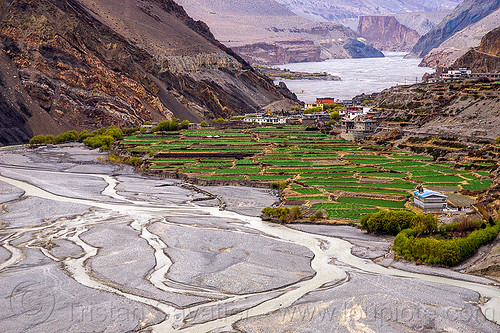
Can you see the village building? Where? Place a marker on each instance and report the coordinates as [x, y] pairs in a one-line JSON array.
[[313, 105], [263, 120], [316, 118], [194, 126], [428, 200], [358, 127], [325, 100]]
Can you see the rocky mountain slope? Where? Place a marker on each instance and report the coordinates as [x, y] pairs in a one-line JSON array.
[[467, 13], [459, 43], [85, 63], [486, 57], [265, 32], [347, 11], [386, 33], [459, 109]]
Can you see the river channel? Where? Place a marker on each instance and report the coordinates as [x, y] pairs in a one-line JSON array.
[[98, 247]]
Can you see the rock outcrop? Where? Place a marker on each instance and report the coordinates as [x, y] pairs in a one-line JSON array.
[[467, 13], [84, 64], [357, 49], [486, 57], [386, 33]]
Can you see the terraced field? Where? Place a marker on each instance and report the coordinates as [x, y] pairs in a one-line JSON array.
[[344, 179]]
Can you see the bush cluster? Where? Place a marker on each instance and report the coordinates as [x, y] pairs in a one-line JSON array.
[[174, 125], [448, 252], [101, 138], [283, 214], [135, 161], [387, 221], [279, 185]]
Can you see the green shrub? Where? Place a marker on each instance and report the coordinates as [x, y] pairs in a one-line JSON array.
[[279, 185], [135, 161], [184, 124], [69, 136], [283, 214], [50, 139], [83, 135], [99, 131], [103, 142], [37, 140], [204, 124]]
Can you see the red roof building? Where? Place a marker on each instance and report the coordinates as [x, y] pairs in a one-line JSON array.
[[326, 100]]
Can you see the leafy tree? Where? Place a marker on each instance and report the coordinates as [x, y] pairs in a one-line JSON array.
[[204, 124], [174, 124], [103, 142], [294, 214], [162, 126], [312, 110], [335, 115], [219, 120], [114, 132], [184, 124]]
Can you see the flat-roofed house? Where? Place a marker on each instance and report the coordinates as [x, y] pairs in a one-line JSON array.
[[428, 200]]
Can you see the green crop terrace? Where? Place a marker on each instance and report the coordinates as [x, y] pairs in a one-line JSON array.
[[344, 179]]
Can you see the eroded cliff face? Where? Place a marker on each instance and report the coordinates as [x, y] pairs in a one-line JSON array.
[[84, 64], [280, 52], [386, 33], [467, 13], [486, 57], [461, 42]]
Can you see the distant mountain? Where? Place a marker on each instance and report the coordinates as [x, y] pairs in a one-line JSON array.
[[421, 22], [348, 11], [467, 13], [486, 57], [83, 64], [460, 42], [386, 33], [267, 32]]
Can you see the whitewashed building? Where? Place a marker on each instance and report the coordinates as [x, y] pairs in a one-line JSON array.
[[428, 200], [266, 120]]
